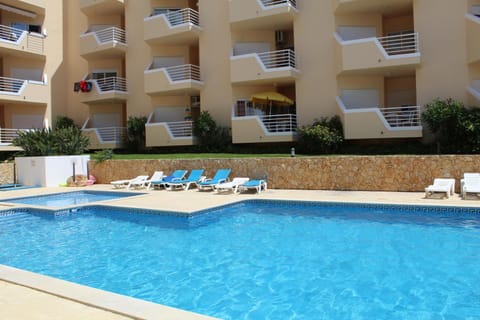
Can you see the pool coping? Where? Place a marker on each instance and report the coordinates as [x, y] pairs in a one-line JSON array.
[[96, 298]]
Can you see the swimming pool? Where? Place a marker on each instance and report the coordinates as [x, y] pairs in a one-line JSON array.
[[264, 259], [73, 198]]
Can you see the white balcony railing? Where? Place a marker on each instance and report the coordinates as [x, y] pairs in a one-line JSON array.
[[406, 116], [183, 16], [278, 59], [7, 135], [111, 84], [112, 34], [180, 129], [280, 122], [12, 86], [271, 3], [112, 134], [183, 72], [400, 44], [35, 41]]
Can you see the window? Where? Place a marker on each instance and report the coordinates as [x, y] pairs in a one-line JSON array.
[[157, 11], [27, 27], [244, 107], [103, 74]]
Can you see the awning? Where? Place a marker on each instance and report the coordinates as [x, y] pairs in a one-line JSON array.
[[272, 97], [22, 12]]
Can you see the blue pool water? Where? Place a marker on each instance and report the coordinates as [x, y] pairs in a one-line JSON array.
[[65, 199], [265, 260]]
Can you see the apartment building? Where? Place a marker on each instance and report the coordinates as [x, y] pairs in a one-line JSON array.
[[260, 67]]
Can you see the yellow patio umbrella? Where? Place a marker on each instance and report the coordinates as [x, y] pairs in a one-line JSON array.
[[270, 97]]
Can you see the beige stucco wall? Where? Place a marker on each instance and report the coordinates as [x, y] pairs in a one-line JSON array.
[[441, 75], [369, 173], [442, 71]]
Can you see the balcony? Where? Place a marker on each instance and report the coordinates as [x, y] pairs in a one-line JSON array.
[[21, 43], [102, 7], [264, 128], [104, 138], [474, 89], [164, 134], [106, 90], [257, 68], [378, 6], [473, 34], [380, 123], [173, 28], [108, 43], [378, 54], [24, 91], [262, 14], [183, 79], [6, 138]]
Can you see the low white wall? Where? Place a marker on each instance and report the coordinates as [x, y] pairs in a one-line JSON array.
[[49, 171]]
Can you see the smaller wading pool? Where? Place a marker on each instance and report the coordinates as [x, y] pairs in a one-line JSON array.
[[65, 199]]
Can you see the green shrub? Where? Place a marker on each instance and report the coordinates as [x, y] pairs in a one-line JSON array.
[[456, 129], [136, 134], [102, 155], [47, 142], [212, 138], [63, 122], [324, 136]]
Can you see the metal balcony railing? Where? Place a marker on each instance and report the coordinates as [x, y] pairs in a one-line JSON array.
[[7, 135], [183, 72], [112, 134], [111, 84], [270, 3], [35, 41], [11, 85], [183, 16], [180, 129], [280, 122], [400, 44], [406, 116], [278, 59], [112, 34]]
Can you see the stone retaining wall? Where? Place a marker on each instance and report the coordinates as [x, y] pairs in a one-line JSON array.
[[6, 172], [366, 173]]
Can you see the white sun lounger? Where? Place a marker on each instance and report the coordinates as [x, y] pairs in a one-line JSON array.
[[128, 182], [442, 186], [231, 186], [471, 185]]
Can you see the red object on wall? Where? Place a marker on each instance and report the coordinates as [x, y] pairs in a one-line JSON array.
[[85, 86]]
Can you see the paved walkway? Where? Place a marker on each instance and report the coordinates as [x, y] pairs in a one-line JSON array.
[[56, 299]]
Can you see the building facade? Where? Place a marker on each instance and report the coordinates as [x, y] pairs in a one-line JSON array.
[[259, 67]]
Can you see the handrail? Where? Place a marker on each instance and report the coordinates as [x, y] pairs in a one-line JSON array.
[[183, 72], [400, 44], [183, 16], [109, 134], [277, 122], [180, 129], [269, 3], [278, 59], [111, 34], [11, 85], [35, 41], [406, 116], [111, 84], [7, 135]]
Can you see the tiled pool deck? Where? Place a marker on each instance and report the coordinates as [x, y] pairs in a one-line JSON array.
[[24, 295]]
